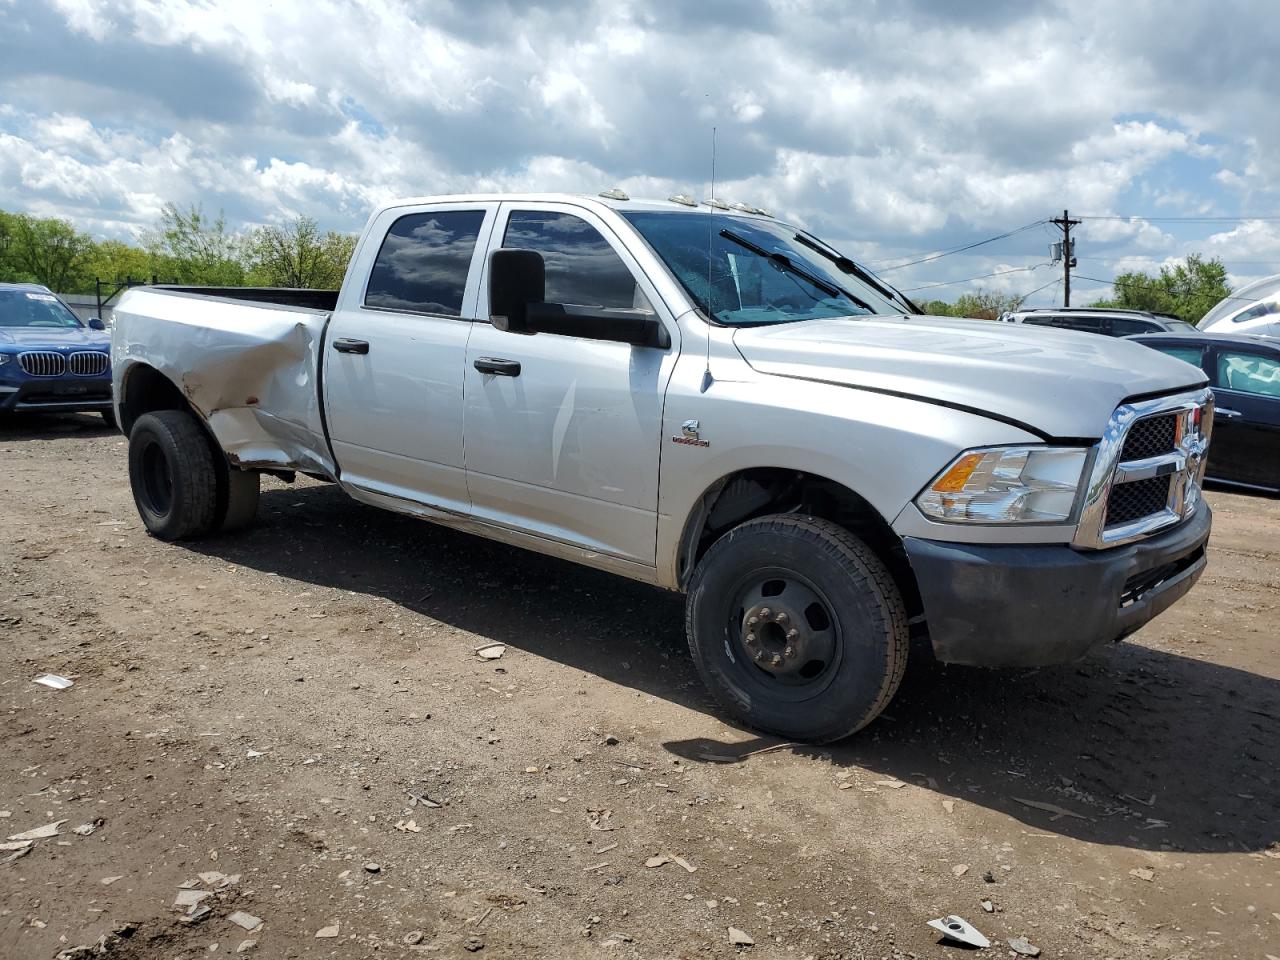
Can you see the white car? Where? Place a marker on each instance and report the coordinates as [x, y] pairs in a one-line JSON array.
[[1253, 309], [706, 399]]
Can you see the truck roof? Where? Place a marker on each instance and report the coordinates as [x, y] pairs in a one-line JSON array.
[[610, 200]]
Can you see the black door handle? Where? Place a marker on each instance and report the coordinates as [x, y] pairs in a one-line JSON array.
[[343, 345], [501, 368]]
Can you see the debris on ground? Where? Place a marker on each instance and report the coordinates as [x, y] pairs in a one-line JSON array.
[[39, 833], [53, 681], [108, 881], [1057, 811], [186, 899], [1023, 946], [15, 845], [87, 828], [689, 867], [246, 945], [960, 869], [891, 784], [103, 946], [1143, 873], [740, 938], [408, 826], [372, 867], [611, 741], [246, 921], [421, 798], [988, 906], [960, 930], [491, 651], [473, 944], [412, 938], [949, 806], [661, 860], [327, 933]]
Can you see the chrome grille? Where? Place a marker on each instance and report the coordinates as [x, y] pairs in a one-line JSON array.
[[1147, 470], [42, 363], [1151, 437], [1128, 502], [88, 364]]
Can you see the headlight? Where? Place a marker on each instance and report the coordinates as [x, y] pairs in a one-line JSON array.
[[4, 358], [1007, 485]]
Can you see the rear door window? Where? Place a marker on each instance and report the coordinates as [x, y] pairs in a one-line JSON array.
[[581, 267], [423, 263], [1248, 373]]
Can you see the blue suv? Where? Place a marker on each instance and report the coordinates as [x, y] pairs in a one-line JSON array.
[[49, 360]]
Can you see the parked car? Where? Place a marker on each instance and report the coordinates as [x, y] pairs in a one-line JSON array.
[[1253, 309], [1108, 322], [49, 360], [1244, 372], [706, 399]]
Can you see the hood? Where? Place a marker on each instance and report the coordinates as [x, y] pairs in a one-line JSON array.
[[34, 338], [1061, 383]]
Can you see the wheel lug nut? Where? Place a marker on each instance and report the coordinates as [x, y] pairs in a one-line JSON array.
[[776, 661], [758, 656], [752, 621], [765, 612], [782, 616], [751, 640], [793, 633], [789, 653]]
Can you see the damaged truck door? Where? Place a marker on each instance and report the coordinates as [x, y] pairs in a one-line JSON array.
[[708, 400]]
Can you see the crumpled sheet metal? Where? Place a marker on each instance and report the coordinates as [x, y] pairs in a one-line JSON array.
[[249, 370]]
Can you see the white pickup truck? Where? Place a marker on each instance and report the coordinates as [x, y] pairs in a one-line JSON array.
[[707, 399]]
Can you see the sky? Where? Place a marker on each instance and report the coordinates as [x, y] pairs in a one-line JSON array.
[[894, 130]]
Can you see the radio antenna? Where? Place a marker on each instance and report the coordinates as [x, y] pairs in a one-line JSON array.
[[711, 241]]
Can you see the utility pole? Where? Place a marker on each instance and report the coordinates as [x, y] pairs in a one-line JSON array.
[[1065, 223]]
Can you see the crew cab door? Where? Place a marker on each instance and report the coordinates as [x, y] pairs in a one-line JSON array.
[[1246, 426], [563, 433], [396, 348]]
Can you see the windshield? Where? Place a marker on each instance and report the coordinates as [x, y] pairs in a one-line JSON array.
[[759, 271], [34, 308]]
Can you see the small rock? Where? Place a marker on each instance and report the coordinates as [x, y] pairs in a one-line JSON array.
[[960, 869], [611, 741], [988, 906], [327, 933], [246, 921], [1023, 946], [473, 944], [372, 867], [108, 881], [412, 938], [740, 938], [246, 946], [1143, 873], [659, 861], [85, 829], [949, 806], [989, 877]]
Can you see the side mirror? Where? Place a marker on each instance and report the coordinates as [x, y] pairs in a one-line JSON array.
[[517, 278], [517, 292], [95, 323]]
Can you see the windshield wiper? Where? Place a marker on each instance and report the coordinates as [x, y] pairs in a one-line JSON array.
[[786, 263], [845, 265]]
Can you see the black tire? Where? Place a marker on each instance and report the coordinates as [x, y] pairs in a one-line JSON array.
[[237, 498], [171, 470], [828, 644], [109, 418]]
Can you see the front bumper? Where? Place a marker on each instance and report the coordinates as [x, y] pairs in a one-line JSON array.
[[70, 394], [1030, 606]]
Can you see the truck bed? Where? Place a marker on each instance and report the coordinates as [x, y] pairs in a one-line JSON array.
[[248, 359]]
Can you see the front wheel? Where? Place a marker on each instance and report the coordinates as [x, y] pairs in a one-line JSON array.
[[797, 627]]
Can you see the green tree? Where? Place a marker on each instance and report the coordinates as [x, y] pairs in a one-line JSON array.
[[297, 254], [190, 247], [46, 251], [1187, 289], [113, 261], [983, 305]]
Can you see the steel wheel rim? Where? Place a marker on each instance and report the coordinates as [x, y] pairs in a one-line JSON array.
[[800, 616]]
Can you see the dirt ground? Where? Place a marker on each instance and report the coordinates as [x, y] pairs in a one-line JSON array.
[[288, 706]]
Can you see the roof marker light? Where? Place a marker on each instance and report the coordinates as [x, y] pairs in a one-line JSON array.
[[684, 200], [614, 194], [717, 204]]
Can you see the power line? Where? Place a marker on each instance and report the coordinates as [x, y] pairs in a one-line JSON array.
[[985, 276], [968, 246]]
